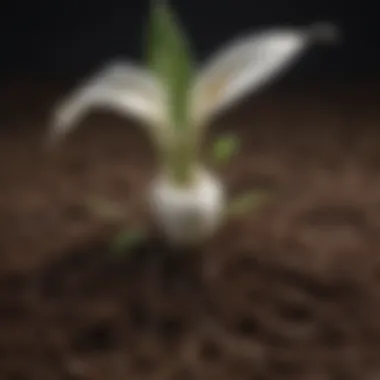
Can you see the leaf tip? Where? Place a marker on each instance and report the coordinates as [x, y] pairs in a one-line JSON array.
[[325, 32]]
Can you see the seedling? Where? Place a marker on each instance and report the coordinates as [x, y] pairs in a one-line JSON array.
[[246, 202], [127, 239], [176, 102], [223, 150]]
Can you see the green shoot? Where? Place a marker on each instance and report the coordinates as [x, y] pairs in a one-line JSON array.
[[246, 202], [169, 57], [126, 240], [223, 149]]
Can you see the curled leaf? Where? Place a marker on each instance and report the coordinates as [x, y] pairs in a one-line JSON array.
[[121, 87], [247, 64]]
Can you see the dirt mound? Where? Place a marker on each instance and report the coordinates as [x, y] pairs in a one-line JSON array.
[[289, 291]]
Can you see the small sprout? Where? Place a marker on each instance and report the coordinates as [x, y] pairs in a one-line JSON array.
[[224, 148], [246, 202], [127, 239]]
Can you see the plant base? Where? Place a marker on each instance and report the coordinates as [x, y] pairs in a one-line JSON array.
[[187, 215]]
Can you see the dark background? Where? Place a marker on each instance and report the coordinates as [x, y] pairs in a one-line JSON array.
[[71, 37]]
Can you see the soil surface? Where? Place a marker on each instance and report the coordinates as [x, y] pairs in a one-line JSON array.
[[289, 291]]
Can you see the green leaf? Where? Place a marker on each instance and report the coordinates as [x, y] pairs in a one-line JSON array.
[[169, 57], [126, 240], [224, 148], [246, 202]]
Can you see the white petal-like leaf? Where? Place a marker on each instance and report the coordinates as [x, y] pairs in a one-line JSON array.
[[247, 64], [127, 89]]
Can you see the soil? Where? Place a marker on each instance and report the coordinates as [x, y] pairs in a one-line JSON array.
[[291, 290]]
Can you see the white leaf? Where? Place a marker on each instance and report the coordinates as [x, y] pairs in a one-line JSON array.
[[247, 64], [127, 89]]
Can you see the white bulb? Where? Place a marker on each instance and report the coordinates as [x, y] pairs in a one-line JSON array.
[[186, 215]]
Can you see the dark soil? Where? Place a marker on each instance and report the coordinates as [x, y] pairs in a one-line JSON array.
[[289, 291]]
